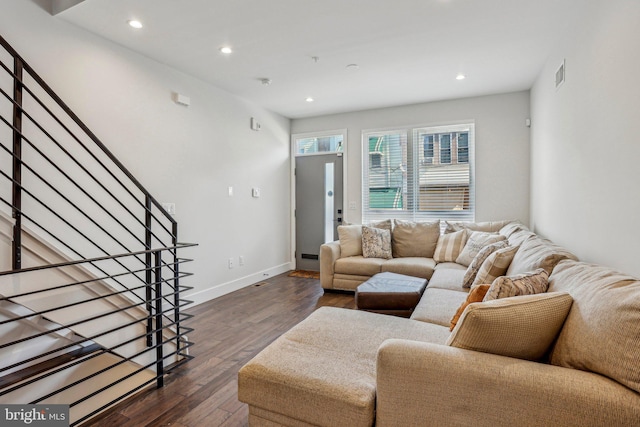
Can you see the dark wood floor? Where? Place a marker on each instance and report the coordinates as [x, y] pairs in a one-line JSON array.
[[229, 331]]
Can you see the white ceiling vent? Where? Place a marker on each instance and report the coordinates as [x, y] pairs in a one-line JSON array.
[[560, 75]]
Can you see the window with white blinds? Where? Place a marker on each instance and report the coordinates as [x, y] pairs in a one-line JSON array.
[[419, 174]]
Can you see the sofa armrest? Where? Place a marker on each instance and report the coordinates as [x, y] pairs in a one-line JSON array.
[[329, 254], [423, 384]]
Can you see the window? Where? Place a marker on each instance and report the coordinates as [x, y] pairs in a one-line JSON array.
[[445, 149], [427, 146], [418, 174], [463, 147], [320, 144]]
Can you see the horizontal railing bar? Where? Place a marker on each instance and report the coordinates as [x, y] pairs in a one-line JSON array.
[[97, 259], [89, 319], [82, 126], [98, 279], [73, 304], [93, 337]]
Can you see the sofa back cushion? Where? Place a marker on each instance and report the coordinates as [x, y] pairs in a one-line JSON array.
[[414, 239], [350, 240], [536, 252], [487, 226], [602, 331]]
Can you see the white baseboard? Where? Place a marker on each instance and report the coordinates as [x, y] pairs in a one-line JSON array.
[[234, 285]]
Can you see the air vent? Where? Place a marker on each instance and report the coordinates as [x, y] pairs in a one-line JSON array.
[[560, 75]]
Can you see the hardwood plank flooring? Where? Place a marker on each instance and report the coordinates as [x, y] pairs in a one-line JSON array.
[[229, 331]]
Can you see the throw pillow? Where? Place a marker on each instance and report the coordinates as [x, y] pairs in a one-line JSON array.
[[376, 242], [524, 327], [414, 239], [474, 267], [535, 282], [475, 243], [495, 265], [449, 246], [476, 294], [350, 240]]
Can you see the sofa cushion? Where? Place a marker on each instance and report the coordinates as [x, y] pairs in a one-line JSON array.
[[535, 282], [523, 327], [450, 245], [350, 240], [448, 278], [323, 371], [476, 294], [480, 258], [417, 267], [602, 332], [477, 241], [536, 252], [358, 265], [415, 239], [495, 265], [488, 226], [437, 306], [376, 243]]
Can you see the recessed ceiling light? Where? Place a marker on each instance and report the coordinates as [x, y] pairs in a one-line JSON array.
[[135, 23], [226, 49], [309, 99], [461, 77]]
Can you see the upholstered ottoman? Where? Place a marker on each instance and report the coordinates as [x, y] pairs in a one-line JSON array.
[[390, 293]]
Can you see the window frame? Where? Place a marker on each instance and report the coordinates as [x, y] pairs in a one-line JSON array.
[[415, 137]]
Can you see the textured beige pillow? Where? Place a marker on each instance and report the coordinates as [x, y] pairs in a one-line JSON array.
[[474, 267], [535, 282], [449, 246], [475, 243], [495, 265], [414, 239], [350, 240], [376, 242], [523, 327]]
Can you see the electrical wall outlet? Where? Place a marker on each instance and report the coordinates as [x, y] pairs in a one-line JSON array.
[[241, 260], [231, 263]]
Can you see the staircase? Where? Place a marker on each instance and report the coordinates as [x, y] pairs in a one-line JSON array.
[[90, 276]]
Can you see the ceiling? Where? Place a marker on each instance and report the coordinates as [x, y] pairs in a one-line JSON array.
[[407, 51]]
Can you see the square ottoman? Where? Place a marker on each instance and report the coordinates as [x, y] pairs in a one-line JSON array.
[[390, 293]]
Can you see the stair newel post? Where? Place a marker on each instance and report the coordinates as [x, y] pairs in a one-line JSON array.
[[16, 252], [147, 261], [158, 318]]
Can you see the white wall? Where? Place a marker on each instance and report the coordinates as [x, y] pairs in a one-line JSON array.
[[585, 138], [189, 156], [502, 146]]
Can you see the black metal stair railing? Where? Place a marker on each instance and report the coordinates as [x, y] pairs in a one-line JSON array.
[[84, 233]]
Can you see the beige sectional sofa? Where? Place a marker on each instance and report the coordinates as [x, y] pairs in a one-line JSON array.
[[352, 368]]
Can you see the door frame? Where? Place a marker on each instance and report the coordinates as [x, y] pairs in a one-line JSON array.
[[292, 190]]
